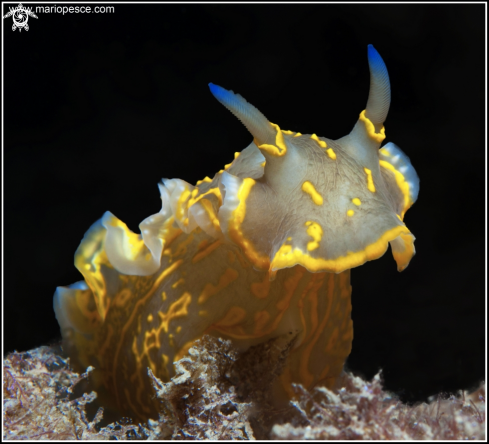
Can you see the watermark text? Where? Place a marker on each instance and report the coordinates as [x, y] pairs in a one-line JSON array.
[[55, 9]]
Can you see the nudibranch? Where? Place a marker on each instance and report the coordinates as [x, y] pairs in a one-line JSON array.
[[261, 250]]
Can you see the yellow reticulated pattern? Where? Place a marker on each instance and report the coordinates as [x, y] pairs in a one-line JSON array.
[[252, 254]]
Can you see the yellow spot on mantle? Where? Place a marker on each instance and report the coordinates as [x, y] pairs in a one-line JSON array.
[[308, 188], [321, 143], [150, 318], [316, 232], [356, 201], [331, 153], [370, 181], [350, 213]]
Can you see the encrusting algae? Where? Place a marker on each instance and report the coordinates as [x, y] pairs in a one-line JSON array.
[[219, 393]]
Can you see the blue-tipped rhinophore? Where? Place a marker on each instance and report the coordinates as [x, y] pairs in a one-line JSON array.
[[379, 97], [256, 123]]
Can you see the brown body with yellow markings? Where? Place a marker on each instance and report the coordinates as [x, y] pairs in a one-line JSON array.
[[262, 250], [151, 321]]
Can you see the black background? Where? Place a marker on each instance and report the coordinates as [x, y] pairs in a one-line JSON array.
[[100, 107]]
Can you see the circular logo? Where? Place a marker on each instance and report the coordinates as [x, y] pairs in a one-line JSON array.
[[20, 18]]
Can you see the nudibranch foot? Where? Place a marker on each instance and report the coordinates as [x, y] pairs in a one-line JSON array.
[[261, 251]]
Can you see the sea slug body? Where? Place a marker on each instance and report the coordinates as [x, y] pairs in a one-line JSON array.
[[261, 250]]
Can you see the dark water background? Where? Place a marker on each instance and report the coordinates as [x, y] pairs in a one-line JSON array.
[[99, 107]]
